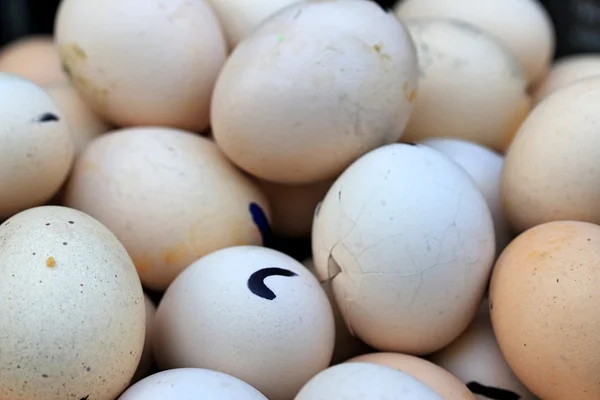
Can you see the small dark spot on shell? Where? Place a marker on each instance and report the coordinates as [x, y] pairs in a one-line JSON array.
[[47, 223], [88, 369], [47, 117], [44, 376], [64, 243], [71, 222]]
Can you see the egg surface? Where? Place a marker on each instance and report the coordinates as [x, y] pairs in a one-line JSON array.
[[146, 363], [170, 196], [141, 62], [324, 81], [568, 70], [72, 310], [191, 384], [407, 240], [249, 312], [36, 149], [34, 58]]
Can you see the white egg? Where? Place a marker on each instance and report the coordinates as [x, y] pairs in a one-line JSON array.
[[72, 310], [191, 384], [407, 240]]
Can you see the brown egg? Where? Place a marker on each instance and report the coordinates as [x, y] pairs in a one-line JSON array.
[[34, 58], [437, 378], [544, 299], [568, 70], [551, 170]]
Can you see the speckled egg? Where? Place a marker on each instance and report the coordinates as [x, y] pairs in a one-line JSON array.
[[36, 149], [140, 62], [146, 363], [72, 310], [191, 384], [407, 240], [170, 196], [470, 87], [324, 81], [551, 171], [250, 312], [543, 304], [568, 70], [357, 380]]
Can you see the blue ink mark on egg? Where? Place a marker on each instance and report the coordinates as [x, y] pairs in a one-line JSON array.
[[261, 221]]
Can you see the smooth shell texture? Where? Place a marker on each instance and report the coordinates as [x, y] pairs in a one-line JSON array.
[[522, 26], [170, 197], [568, 70], [213, 316], [191, 384], [36, 149], [476, 359], [72, 310], [84, 125], [34, 58], [485, 167], [146, 363], [551, 171], [407, 240], [356, 381], [346, 344], [293, 206], [543, 300], [469, 86], [324, 81], [141, 62], [240, 17], [437, 378]]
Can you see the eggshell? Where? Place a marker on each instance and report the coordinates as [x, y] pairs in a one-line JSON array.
[[34, 58], [476, 360], [522, 26], [551, 170], [354, 381], [470, 87], [543, 301], [324, 81], [485, 167], [240, 17], [346, 344], [170, 196], [293, 206], [143, 63], [191, 384], [440, 380], [36, 150], [72, 310], [250, 312], [146, 363], [84, 125], [407, 240], [568, 70]]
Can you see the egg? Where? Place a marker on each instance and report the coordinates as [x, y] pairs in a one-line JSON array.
[[346, 344], [522, 26], [470, 87], [551, 170], [543, 302], [324, 81], [568, 70], [440, 380], [355, 381], [36, 149], [484, 165], [191, 384], [146, 364], [143, 63], [407, 241], [293, 206], [239, 18], [34, 58], [84, 124], [249, 312], [72, 310], [170, 196], [476, 360]]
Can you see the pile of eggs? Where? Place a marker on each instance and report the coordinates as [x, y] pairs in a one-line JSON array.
[[444, 171]]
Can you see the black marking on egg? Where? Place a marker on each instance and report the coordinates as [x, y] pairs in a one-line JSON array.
[[492, 393], [411, 144], [256, 282], [47, 117], [261, 221]]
